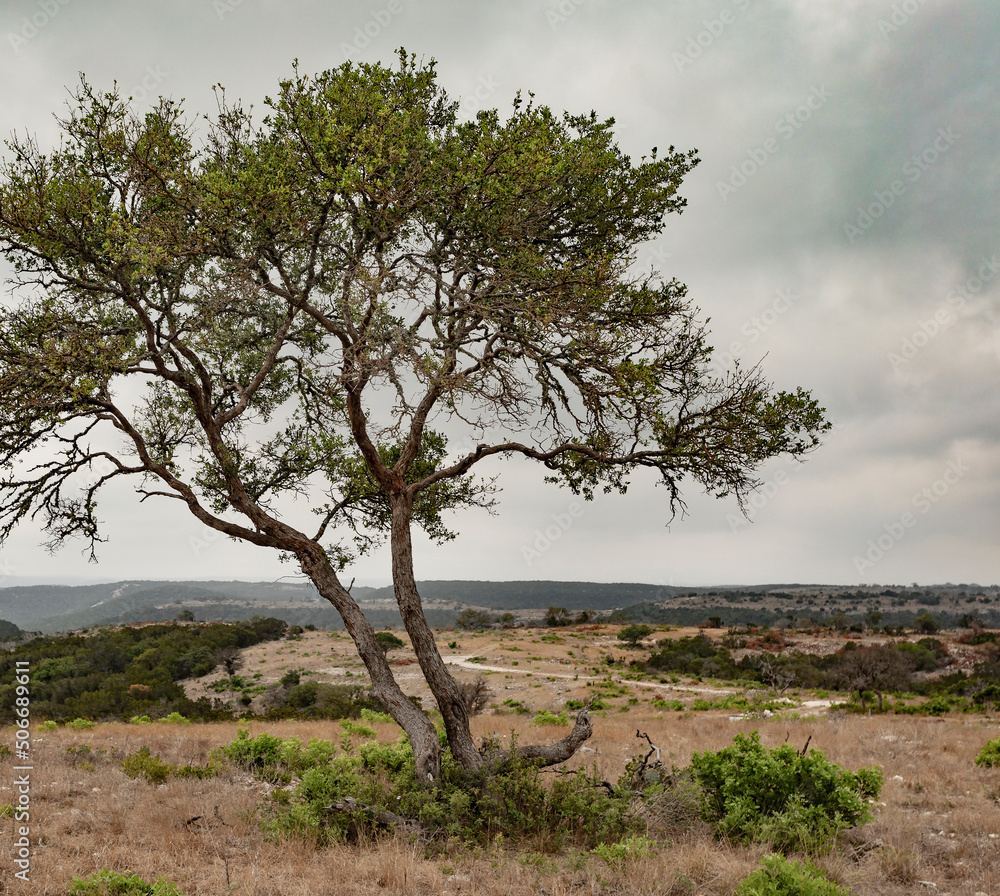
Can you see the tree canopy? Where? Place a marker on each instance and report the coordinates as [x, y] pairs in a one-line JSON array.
[[236, 311]]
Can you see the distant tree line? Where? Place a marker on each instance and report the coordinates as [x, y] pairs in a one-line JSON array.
[[117, 673], [874, 669]]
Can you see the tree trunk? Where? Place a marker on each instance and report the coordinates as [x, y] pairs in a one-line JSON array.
[[443, 686], [420, 729], [561, 750]]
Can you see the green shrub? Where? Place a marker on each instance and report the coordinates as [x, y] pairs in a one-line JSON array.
[[260, 754], [617, 854], [779, 876], [81, 724], [175, 718], [522, 710], [780, 797], [730, 701], [545, 717], [352, 727], [988, 694], [388, 641], [143, 764], [989, 755], [370, 715], [633, 634], [936, 706], [517, 802], [673, 704], [118, 883], [140, 720], [193, 771]]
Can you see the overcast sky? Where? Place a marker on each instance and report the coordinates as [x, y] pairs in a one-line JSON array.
[[843, 225]]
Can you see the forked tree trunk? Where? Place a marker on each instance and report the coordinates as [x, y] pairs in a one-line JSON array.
[[423, 736], [443, 686]]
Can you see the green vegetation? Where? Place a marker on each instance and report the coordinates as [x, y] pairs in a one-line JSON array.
[[866, 671], [778, 876], [746, 792], [673, 704], [473, 620], [119, 673], [989, 755], [81, 724], [782, 797], [545, 717], [695, 655], [635, 847], [515, 803], [388, 641], [317, 700], [143, 764], [120, 883], [633, 634]]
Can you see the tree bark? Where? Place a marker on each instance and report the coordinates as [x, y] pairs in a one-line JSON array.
[[443, 686], [420, 730], [560, 751]]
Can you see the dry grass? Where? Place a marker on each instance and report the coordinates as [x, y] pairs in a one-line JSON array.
[[938, 821]]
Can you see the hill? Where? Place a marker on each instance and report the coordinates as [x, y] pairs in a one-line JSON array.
[[53, 608]]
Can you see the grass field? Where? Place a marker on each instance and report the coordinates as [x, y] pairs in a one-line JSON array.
[[937, 825]]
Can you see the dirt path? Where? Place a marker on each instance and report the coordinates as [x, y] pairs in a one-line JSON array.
[[813, 707]]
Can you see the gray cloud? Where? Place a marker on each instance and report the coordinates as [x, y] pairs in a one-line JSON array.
[[820, 109]]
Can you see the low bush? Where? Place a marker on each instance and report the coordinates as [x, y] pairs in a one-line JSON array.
[[989, 755], [668, 804], [81, 724], [545, 717], [730, 701], [778, 876], [119, 883], [143, 764], [351, 727], [781, 797], [515, 802], [673, 704], [630, 849], [936, 706], [318, 700]]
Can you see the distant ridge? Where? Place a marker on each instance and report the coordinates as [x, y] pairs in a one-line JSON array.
[[54, 608], [51, 608]]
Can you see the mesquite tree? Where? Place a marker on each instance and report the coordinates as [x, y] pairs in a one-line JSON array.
[[232, 311]]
